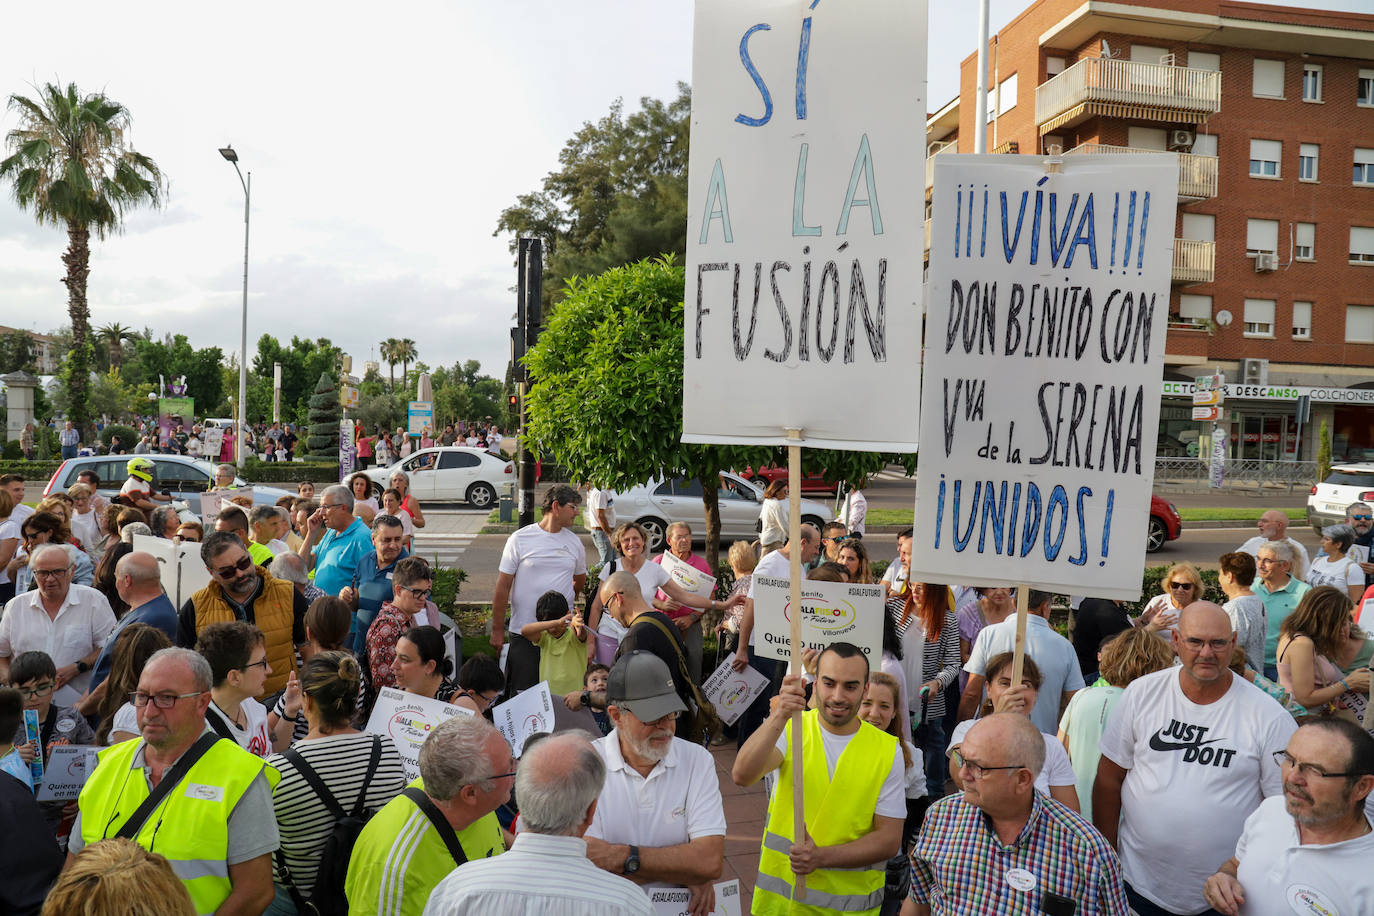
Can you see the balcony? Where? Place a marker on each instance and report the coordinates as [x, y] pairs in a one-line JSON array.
[[1185, 341], [1126, 89], [1197, 175], [1194, 261], [930, 162]]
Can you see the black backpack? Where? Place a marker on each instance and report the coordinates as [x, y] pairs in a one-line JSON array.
[[328, 897]]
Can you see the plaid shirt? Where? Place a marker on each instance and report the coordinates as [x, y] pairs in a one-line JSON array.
[[959, 866]]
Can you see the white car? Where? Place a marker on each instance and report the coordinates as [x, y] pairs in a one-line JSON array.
[[448, 474], [1346, 484], [658, 503]]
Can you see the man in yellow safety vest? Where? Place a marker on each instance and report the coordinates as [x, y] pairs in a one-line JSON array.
[[855, 796]]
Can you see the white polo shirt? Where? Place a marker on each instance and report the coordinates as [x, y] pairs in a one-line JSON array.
[[1281, 877], [676, 803], [82, 625]]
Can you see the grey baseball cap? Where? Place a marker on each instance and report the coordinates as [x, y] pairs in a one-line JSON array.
[[641, 683]]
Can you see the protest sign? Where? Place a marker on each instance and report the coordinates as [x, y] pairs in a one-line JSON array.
[[32, 734], [209, 509], [732, 691], [347, 450], [524, 714], [212, 440], [806, 196], [183, 571], [408, 718], [1049, 300], [688, 576], [68, 767], [831, 612], [673, 901]]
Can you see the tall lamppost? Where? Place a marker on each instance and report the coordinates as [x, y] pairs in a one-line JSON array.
[[233, 157]]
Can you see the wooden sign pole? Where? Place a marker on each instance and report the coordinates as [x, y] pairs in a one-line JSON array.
[[794, 604], [1019, 651]]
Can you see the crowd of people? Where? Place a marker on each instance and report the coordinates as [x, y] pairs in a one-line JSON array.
[[1200, 757]]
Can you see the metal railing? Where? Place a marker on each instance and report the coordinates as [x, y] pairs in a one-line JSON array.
[[1197, 175], [930, 162], [1239, 474], [1101, 79], [1194, 261]]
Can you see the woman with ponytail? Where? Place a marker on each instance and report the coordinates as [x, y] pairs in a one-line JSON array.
[[343, 757]]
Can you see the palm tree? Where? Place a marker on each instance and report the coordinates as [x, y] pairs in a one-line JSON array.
[[113, 336], [71, 164], [388, 348], [405, 354]]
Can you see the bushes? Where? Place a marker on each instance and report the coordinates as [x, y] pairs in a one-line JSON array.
[[448, 581], [290, 471], [30, 470], [127, 435]]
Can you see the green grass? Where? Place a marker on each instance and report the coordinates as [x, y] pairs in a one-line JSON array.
[[1235, 514]]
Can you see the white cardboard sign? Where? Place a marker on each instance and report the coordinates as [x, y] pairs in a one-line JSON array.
[[831, 612], [183, 571], [528, 712], [672, 901], [732, 691], [1049, 302], [68, 767], [688, 576], [408, 718], [806, 195]]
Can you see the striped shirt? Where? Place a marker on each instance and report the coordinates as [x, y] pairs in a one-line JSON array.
[[960, 866], [303, 820], [939, 660]]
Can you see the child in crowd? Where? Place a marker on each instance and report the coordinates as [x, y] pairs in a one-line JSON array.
[[594, 695], [12, 718], [562, 638], [35, 674]]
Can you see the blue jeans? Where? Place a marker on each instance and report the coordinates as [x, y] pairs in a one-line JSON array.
[[753, 717], [282, 904], [1146, 907], [929, 737], [602, 541], [68, 451]]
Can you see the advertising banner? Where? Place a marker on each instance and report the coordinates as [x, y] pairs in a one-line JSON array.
[[408, 718], [831, 612]]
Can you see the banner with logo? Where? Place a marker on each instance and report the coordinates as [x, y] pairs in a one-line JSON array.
[[806, 196], [673, 901], [831, 612], [1048, 307], [407, 719], [68, 767], [527, 713], [688, 576], [732, 691]]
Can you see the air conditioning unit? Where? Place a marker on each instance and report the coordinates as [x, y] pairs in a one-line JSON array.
[[1266, 261], [1254, 372], [1182, 140]]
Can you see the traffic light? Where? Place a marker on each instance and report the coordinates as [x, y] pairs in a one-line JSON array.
[[515, 402]]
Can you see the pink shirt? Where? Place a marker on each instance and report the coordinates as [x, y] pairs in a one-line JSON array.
[[696, 561]]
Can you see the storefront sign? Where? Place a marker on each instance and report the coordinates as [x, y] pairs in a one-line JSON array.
[[1045, 328], [1175, 389], [805, 206], [1211, 382], [1207, 397], [1206, 413]]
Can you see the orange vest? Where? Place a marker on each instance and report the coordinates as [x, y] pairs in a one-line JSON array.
[[272, 613]]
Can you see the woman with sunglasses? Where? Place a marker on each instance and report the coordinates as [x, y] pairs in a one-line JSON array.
[[46, 528], [1181, 586], [1334, 565]]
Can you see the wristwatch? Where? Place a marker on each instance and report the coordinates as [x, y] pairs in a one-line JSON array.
[[586, 698], [82, 667], [631, 862]]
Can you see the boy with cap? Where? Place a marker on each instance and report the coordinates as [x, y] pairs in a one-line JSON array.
[[659, 820]]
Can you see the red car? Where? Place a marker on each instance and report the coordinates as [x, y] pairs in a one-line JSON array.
[[810, 483], [1165, 525]]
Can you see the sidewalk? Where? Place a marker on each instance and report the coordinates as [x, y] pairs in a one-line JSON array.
[[745, 812]]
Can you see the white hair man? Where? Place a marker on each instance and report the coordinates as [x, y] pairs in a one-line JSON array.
[[1273, 528]]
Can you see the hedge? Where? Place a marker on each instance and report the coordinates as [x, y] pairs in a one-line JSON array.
[[31, 470], [289, 471]]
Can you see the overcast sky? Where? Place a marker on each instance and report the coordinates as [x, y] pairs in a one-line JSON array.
[[383, 142]]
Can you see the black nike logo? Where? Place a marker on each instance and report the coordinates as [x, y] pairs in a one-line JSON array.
[[1159, 744]]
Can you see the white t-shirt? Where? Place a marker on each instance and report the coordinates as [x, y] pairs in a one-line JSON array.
[[891, 797], [9, 531], [776, 566], [855, 511], [540, 561], [600, 499], [253, 737], [1195, 773], [1057, 771], [650, 577], [85, 528], [125, 720], [1300, 561], [1280, 875], [1343, 573], [1054, 656], [773, 519], [136, 488]]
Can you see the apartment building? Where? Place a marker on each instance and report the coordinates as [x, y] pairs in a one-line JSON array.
[[1271, 112]]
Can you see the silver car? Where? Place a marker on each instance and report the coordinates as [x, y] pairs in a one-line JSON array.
[[448, 474], [185, 478], [658, 503]]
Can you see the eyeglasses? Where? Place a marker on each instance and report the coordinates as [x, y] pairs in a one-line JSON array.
[[1361, 518], [1180, 585], [327, 506], [258, 664], [224, 572], [977, 770], [41, 690], [420, 593], [160, 700], [50, 573], [1308, 770], [1196, 645]]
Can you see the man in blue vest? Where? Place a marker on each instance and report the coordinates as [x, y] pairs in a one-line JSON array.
[[855, 790]]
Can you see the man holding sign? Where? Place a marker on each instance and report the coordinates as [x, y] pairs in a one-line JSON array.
[[854, 778]]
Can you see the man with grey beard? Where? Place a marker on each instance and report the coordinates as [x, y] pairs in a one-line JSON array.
[[1311, 847], [659, 820]]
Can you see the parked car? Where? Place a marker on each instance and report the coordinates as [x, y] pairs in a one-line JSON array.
[[183, 477], [1345, 484], [658, 503], [810, 483], [448, 474], [1165, 524]]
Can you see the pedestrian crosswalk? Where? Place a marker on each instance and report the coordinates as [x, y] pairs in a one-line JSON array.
[[441, 548]]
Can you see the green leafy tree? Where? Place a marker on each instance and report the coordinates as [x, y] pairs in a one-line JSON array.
[[323, 441], [406, 354], [619, 195], [16, 352], [1323, 452], [113, 337], [388, 351], [301, 362], [71, 165]]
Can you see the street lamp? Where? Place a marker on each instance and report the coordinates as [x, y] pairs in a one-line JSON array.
[[229, 154]]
